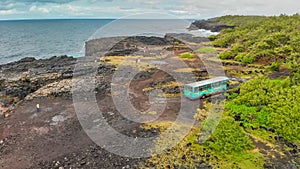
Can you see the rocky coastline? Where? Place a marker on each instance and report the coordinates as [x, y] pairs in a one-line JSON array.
[[48, 82], [210, 24], [53, 137]]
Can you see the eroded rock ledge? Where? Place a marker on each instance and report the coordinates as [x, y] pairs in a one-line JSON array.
[[209, 24]]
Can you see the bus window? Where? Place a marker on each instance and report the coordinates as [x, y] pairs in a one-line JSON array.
[[201, 88], [188, 88], [196, 90]]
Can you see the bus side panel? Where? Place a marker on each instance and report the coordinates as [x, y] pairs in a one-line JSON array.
[[197, 95], [202, 93], [187, 93], [218, 89], [194, 95]]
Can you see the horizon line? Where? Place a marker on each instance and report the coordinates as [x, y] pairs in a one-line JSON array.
[[37, 19], [116, 18]]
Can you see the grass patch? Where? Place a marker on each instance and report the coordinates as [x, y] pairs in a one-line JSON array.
[[169, 95], [129, 61], [185, 70], [187, 56], [206, 50]]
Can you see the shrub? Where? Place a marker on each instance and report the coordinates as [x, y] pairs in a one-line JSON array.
[[226, 55], [238, 48], [231, 96], [253, 117], [212, 37], [245, 58], [275, 66], [206, 50], [187, 55], [176, 43], [229, 138]]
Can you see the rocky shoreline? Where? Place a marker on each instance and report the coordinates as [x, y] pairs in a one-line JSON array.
[[209, 24], [28, 77]]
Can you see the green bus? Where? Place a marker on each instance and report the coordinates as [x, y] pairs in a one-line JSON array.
[[206, 88]]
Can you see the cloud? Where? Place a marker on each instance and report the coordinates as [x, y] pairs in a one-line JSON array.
[[8, 12], [8, 6], [151, 2], [76, 10], [119, 8], [126, 8], [244, 7], [46, 1], [38, 9]]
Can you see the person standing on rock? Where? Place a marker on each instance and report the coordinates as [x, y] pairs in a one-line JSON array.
[[146, 50], [38, 107]]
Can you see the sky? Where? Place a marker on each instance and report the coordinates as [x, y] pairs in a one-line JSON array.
[[185, 9]]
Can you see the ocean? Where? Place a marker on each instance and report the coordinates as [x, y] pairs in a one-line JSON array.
[[46, 38]]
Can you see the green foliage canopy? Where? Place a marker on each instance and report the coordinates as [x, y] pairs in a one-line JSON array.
[[254, 38], [269, 103]]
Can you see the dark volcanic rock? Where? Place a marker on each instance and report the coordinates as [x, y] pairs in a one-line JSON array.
[[148, 40], [92, 157], [27, 59], [124, 52], [185, 37], [20, 78], [122, 45], [30, 78], [208, 25], [52, 65]]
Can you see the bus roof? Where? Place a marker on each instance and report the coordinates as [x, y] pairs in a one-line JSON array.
[[208, 81]]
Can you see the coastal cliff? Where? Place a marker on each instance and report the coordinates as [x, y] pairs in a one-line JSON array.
[[210, 24]]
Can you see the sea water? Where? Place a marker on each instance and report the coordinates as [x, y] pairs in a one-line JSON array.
[[46, 38]]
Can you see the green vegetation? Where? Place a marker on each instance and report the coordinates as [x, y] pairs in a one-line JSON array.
[[249, 115], [212, 37], [224, 140], [187, 55], [231, 145], [295, 67], [176, 43], [206, 50], [262, 39], [275, 66], [271, 104], [237, 20]]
